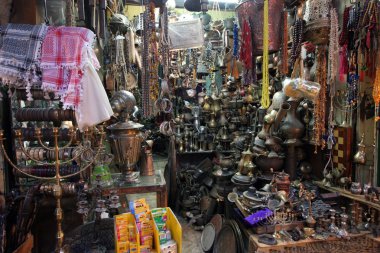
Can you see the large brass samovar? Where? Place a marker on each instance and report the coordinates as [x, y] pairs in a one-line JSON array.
[[125, 136]]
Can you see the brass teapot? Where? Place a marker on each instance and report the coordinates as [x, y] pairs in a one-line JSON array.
[[244, 165]]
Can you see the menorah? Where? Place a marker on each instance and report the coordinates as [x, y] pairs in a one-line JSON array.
[[281, 218], [83, 153]]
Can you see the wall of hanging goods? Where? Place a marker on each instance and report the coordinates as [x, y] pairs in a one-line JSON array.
[[252, 125]]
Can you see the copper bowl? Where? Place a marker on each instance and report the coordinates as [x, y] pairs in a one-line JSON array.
[[268, 164]]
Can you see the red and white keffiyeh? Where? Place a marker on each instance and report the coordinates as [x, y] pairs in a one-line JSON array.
[[65, 52]]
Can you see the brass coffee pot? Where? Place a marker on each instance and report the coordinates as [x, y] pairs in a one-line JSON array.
[[245, 163]]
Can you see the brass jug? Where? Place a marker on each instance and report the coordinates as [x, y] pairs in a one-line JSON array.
[[212, 122], [244, 165], [360, 157], [147, 168]]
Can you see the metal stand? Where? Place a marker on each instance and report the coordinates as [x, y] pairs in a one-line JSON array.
[[57, 188]]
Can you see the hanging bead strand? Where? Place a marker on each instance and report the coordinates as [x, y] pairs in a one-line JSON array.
[[265, 100], [320, 103], [284, 54]]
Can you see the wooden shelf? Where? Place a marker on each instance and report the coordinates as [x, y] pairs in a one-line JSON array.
[[347, 194]]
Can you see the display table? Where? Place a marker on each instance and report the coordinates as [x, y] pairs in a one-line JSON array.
[[147, 184], [347, 194], [363, 243]]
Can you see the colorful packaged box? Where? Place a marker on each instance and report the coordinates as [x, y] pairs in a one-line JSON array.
[[159, 215], [146, 228], [123, 247], [145, 249], [147, 240], [162, 237], [169, 247], [133, 248], [138, 206]]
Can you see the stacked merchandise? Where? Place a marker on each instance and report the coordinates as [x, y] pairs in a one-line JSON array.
[[147, 231], [140, 209], [160, 218], [126, 234]]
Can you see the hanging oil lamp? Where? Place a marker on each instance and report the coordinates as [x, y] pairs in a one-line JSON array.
[[317, 17]]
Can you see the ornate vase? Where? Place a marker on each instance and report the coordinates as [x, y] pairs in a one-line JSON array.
[[292, 127]]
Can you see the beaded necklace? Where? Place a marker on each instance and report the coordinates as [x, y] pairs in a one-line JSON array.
[[333, 49], [164, 43], [153, 53], [320, 102], [235, 51], [284, 52], [297, 40], [343, 42], [376, 88], [145, 62], [246, 45], [343, 37], [265, 101], [333, 68]]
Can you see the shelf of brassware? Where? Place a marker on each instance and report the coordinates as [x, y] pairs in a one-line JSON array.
[[348, 194]]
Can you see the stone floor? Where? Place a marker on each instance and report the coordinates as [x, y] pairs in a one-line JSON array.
[[191, 238]]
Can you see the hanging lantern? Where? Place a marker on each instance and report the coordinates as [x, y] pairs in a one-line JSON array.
[[253, 12], [317, 17]]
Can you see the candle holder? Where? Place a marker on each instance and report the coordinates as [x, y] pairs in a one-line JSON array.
[[58, 177]]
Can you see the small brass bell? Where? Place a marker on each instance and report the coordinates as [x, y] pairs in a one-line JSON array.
[[360, 157]]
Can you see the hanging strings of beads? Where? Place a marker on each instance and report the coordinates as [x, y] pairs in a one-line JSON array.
[[332, 73], [150, 60], [320, 102], [153, 54], [370, 20], [343, 43], [297, 40], [164, 42], [333, 49], [376, 88], [246, 52], [297, 37], [236, 41], [284, 53], [145, 96], [246, 45], [265, 100]]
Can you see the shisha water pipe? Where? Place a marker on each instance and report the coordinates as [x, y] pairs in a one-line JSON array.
[[57, 188]]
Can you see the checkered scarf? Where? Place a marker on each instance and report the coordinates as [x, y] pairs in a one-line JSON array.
[[20, 47], [65, 52]]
